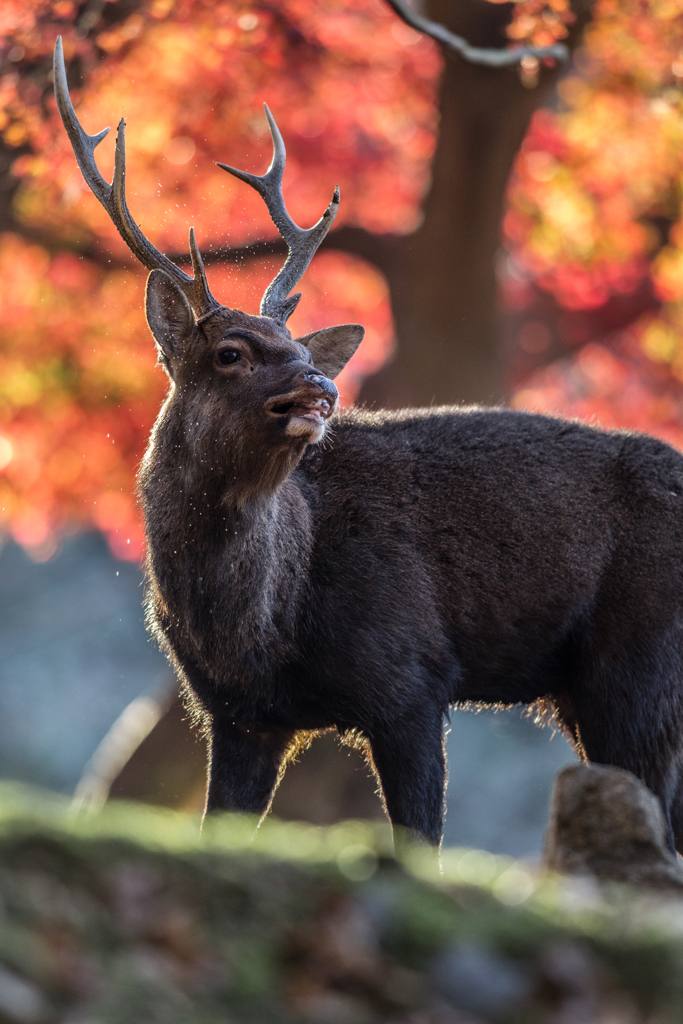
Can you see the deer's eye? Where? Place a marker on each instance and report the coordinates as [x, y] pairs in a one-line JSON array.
[[227, 356]]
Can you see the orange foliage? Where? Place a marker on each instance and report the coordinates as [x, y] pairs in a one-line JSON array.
[[353, 93], [616, 387], [540, 22], [595, 212], [596, 184]]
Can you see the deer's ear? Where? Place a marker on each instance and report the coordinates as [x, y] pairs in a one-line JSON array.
[[332, 347], [169, 315]]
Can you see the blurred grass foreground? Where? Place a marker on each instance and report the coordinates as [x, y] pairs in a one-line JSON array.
[[130, 917]]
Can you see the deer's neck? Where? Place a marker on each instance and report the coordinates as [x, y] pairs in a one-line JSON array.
[[228, 563]]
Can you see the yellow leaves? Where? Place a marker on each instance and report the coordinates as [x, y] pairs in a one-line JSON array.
[[19, 386], [660, 342], [78, 393], [63, 8], [59, 315], [539, 22], [667, 274], [150, 138], [661, 337], [161, 8], [224, 37], [565, 225], [522, 27], [571, 215], [666, 10], [174, 51], [15, 135], [592, 175]]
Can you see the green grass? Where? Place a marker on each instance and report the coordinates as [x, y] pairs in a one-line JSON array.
[[132, 915]]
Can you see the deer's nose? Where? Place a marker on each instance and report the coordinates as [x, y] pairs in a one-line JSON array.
[[323, 382]]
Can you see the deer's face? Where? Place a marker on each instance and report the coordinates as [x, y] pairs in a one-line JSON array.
[[255, 373], [242, 380]]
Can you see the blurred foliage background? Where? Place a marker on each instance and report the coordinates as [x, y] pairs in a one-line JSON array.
[[590, 259], [505, 234]]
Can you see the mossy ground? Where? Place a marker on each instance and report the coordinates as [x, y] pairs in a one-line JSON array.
[[129, 917]]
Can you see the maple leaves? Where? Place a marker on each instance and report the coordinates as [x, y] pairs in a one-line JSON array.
[[595, 211], [75, 394], [80, 389]]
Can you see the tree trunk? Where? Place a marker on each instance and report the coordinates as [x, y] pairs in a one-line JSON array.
[[442, 277]]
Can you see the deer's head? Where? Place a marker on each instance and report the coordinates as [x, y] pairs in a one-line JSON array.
[[232, 371]]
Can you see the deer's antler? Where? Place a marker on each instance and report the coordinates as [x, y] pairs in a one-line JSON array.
[[113, 197], [301, 242]]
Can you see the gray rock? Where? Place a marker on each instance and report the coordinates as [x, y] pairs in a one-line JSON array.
[[605, 822]]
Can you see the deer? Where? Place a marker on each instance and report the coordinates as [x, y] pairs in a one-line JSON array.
[[312, 569]]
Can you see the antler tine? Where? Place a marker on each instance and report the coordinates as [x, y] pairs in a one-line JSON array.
[[113, 196], [301, 242], [197, 261], [82, 144]]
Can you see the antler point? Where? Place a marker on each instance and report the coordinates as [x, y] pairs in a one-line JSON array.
[[113, 197], [301, 243]]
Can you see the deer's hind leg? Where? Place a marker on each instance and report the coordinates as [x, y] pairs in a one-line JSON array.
[[628, 712]]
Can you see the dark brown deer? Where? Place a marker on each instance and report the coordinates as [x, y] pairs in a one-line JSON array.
[[366, 576]]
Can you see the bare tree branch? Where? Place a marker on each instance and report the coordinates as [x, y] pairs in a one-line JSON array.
[[475, 54]]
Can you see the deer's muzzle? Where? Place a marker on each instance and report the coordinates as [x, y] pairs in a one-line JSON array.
[[317, 399], [309, 405]]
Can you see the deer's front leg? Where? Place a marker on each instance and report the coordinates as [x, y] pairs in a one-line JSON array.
[[410, 763], [244, 765]]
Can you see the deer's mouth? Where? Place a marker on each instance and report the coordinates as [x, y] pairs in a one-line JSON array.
[[303, 418], [316, 410]]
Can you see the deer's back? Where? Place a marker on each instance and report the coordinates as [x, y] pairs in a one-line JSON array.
[[491, 539]]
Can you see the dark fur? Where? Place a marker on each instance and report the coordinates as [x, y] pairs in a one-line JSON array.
[[409, 562]]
